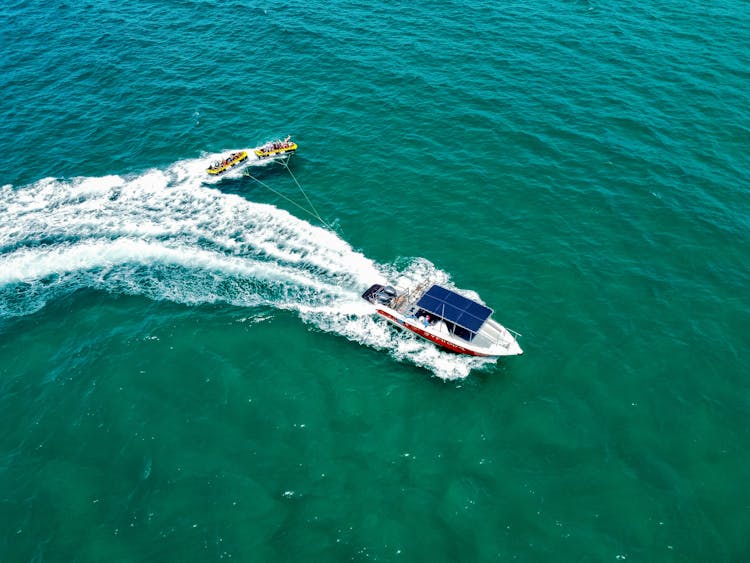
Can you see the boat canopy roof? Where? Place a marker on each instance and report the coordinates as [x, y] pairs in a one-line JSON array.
[[454, 308]]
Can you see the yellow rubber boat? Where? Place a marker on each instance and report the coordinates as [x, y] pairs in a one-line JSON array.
[[221, 166], [276, 148]]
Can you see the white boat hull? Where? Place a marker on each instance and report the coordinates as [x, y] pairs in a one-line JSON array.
[[493, 340]]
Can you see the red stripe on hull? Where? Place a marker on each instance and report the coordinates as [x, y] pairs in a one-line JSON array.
[[431, 337]]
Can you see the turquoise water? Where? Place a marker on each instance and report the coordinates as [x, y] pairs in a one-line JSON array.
[[187, 371]]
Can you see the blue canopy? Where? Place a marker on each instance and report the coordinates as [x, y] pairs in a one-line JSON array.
[[454, 308]]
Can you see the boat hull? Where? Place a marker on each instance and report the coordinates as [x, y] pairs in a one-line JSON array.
[[442, 342], [491, 340]]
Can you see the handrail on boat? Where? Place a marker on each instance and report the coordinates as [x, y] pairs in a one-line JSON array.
[[514, 333]]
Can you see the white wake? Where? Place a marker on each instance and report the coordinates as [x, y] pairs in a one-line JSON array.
[[167, 235]]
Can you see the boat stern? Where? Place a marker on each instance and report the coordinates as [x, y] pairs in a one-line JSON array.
[[371, 291]]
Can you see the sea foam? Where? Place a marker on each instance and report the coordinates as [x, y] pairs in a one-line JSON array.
[[173, 235]]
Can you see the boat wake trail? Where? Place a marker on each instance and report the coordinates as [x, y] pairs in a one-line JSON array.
[[165, 235]]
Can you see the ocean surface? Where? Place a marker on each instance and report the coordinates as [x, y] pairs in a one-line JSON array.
[[188, 373]]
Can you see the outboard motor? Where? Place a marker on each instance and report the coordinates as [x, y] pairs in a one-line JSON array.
[[386, 295]]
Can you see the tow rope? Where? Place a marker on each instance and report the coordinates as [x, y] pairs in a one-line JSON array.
[[312, 211]]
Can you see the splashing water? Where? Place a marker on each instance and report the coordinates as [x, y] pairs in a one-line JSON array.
[[165, 235]]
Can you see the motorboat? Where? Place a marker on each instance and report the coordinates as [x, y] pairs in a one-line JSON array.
[[445, 318], [221, 166], [276, 148]]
